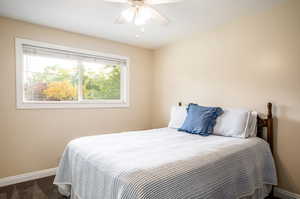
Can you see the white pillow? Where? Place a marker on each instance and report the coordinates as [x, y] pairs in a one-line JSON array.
[[252, 130], [233, 123], [178, 115]]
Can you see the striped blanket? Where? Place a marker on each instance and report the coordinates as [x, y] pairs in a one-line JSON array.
[[165, 164]]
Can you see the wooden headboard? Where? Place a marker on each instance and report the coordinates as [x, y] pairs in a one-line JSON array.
[[268, 124], [263, 123]]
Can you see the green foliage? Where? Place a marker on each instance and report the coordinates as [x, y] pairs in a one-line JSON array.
[[56, 74], [57, 83], [101, 85]]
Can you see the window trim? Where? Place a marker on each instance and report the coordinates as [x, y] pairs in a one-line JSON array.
[[21, 104]]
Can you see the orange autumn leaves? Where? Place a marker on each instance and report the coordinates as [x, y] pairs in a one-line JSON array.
[[60, 90]]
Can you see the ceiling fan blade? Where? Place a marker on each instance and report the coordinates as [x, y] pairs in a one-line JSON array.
[[154, 2], [127, 16], [157, 16], [117, 1]]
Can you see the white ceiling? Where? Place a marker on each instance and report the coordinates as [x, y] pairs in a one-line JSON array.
[[96, 18]]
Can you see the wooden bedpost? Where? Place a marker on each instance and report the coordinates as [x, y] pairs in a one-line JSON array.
[[270, 126], [179, 103]]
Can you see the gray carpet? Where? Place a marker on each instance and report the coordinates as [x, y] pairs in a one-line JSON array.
[[37, 189]]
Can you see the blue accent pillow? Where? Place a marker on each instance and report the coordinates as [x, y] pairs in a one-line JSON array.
[[200, 119]]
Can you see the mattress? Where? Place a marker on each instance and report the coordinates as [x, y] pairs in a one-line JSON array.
[[165, 164]]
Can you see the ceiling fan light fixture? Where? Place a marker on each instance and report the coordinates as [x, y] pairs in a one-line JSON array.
[[143, 15], [128, 15], [141, 11]]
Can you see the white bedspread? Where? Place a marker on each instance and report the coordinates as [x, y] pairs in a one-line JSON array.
[[165, 164]]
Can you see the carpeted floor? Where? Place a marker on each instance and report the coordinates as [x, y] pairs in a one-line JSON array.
[[37, 189]]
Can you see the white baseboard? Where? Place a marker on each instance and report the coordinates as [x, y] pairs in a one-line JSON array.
[[284, 194], [27, 177]]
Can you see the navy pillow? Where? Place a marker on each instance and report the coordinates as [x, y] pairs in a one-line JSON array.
[[200, 120]]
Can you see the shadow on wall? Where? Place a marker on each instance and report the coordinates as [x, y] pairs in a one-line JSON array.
[[284, 139]]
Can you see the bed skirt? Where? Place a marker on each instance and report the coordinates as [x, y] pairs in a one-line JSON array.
[[259, 193]]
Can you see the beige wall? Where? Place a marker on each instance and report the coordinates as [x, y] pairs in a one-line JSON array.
[[32, 140], [246, 63]]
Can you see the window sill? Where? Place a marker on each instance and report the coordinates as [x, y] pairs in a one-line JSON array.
[[70, 105]]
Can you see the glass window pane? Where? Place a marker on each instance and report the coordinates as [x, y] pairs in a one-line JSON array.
[[50, 79], [101, 81]]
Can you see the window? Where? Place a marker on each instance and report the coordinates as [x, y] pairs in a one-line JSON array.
[[52, 76]]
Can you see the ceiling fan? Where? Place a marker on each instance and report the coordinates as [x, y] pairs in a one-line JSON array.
[[141, 11]]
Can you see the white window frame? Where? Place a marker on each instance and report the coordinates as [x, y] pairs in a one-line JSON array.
[[21, 104]]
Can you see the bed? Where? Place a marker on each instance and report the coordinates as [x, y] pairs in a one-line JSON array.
[[167, 164]]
